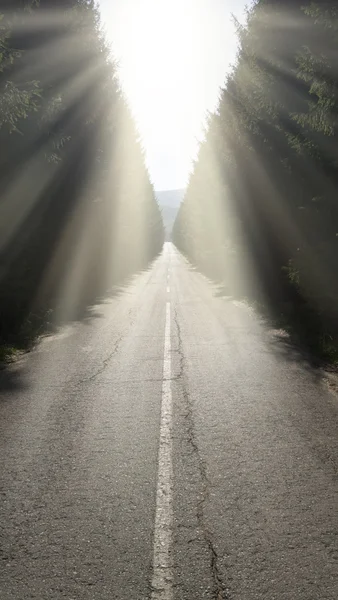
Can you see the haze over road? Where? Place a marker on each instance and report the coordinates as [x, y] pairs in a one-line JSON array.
[[170, 447]]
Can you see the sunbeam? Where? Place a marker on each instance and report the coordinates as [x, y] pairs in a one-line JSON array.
[[78, 211], [261, 197]]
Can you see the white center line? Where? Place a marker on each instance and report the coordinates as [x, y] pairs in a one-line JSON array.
[[162, 583], [168, 288]]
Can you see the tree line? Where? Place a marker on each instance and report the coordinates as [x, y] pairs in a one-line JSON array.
[[77, 209], [261, 212]]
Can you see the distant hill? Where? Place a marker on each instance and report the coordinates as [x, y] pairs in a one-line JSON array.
[[169, 202]]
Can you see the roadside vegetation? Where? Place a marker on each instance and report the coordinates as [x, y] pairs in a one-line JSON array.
[[78, 212], [260, 214]]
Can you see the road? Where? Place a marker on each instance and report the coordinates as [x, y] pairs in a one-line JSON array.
[[169, 447]]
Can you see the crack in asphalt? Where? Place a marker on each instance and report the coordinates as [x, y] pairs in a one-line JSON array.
[[220, 590], [106, 361]]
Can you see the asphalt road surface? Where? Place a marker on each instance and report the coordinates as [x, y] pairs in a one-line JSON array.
[[170, 447]]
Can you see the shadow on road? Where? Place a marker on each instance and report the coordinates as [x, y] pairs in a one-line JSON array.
[[12, 379], [287, 346], [283, 346]]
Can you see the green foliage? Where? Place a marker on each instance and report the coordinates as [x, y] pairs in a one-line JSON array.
[[7, 354], [77, 210], [16, 104]]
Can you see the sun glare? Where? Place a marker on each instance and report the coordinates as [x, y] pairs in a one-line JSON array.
[[171, 71]]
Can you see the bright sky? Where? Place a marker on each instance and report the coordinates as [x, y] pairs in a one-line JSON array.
[[173, 57]]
